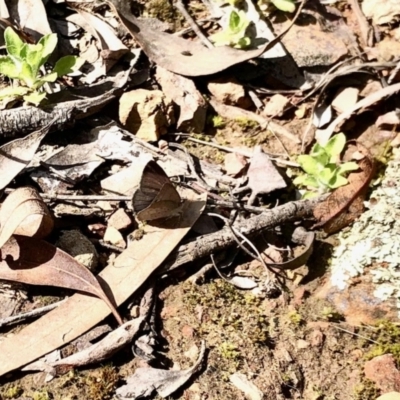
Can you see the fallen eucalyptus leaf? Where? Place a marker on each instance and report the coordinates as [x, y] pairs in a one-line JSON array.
[[185, 57], [36, 262], [145, 380]]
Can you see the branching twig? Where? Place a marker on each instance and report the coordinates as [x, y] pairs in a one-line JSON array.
[[223, 239]]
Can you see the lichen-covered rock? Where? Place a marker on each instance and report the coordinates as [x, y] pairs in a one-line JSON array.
[[364, 283]]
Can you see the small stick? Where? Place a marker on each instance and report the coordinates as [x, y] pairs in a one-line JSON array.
[[179, 5], [38, 312]]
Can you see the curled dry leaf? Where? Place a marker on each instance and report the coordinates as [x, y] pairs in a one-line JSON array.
[[36, 262], [146, 380], [301, 237], [16, 155], [24, 213], [346, 203], [185, 57]]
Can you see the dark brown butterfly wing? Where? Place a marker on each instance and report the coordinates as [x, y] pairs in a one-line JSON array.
[[157, 197], [153, 179], [166, 202]]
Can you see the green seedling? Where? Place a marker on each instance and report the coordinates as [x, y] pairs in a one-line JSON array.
[[323, 170], [23, 63], [283, 5], [234, 34]]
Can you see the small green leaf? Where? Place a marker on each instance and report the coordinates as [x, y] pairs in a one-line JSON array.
[[338, 182], [34, 57], [309, 164], [8, 67], [47, 78], [26, 75], [309, 195], [14, 44], [306, 180], [35, 97], [11, 92], [335, 146], [234, 21], [68, 64], [284, 5], [325, 176], [243, 42], [49, 43], [221, 38], [347, 167]]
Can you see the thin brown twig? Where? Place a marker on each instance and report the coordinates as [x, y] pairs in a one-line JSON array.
[[38, 312], [180, 6]]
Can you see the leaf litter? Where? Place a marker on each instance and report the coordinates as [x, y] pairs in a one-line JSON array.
[[85, 174]]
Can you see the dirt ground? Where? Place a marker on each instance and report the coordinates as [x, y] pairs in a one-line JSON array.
[[291, 346]]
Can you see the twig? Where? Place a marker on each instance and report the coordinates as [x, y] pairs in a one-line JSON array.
[[366, 31], [223, 239], [364, 103], [180, 6], [80, 197], [38, 312]]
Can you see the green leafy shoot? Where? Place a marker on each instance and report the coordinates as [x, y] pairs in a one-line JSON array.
[[23, 63], [234, 34], [322, 167]]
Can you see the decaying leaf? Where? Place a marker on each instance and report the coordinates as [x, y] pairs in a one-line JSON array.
[[263, 176], [111, 48], [113, 342], [16, 155], [24, 213], [36, 262], [97, 352], [80, 313], [184, 57], [346, 203], [145, 380], [31, 17], [302, 238]]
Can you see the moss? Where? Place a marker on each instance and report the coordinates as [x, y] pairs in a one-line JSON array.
[[246, 123], [161, 9], [42, 395], [217, 121], [366, 391], [102, 384], [13, 392], [295, 318], [387, 338], [231, 311]]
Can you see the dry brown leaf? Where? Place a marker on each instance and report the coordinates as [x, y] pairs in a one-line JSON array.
[[16, 155], [185, 57], [36, 262], [80, 313], [345, 204], [24, 213]]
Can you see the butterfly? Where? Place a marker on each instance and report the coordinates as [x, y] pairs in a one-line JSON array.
[[156, 198]]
